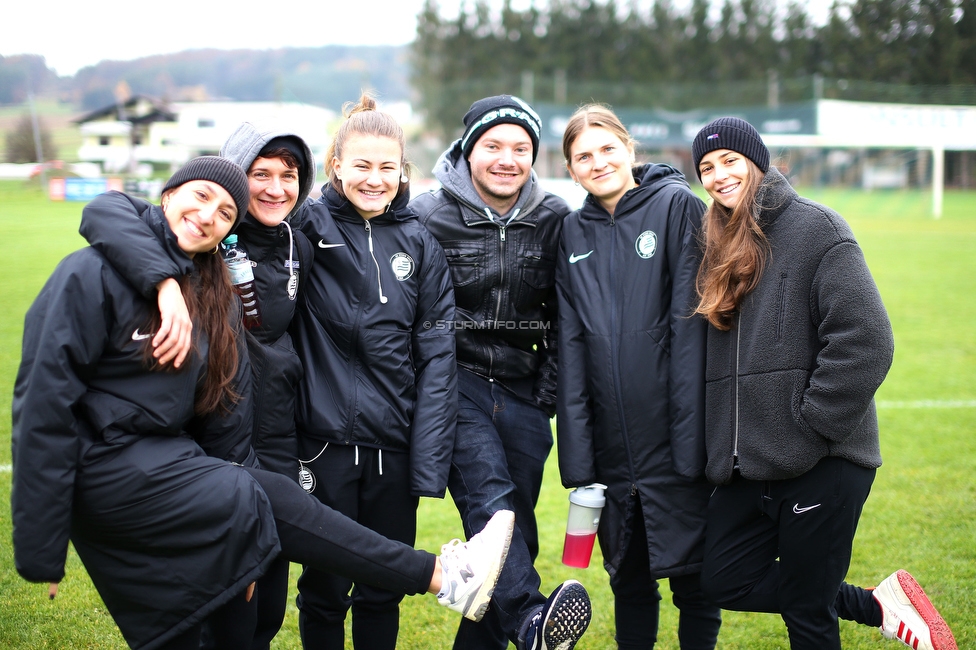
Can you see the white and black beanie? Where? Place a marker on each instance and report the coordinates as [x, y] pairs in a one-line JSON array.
[[731, 133], [500, 109], [221, 171]]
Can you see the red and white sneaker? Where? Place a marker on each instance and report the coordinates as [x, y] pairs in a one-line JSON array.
[[909, 615]]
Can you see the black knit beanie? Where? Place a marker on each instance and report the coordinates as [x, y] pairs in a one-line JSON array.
[[221, 171], [734, 134], [500, 109]]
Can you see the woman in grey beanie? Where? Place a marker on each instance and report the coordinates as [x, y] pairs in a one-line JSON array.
[[798, 343]]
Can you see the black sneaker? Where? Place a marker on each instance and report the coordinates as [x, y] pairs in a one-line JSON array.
[[562, 621]]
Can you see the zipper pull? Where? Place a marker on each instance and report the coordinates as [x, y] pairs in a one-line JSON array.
[[502, 230]]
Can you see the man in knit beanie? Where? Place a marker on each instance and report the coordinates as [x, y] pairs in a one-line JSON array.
[[500, 231]]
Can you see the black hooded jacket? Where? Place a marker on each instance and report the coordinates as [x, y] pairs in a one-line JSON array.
[[631, 378], [276, 254], [373, 332]]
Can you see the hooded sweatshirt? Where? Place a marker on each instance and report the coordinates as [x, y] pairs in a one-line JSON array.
[[793, 380], [275, 253]]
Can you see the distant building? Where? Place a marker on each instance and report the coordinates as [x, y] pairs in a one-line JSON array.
[[144, 131]]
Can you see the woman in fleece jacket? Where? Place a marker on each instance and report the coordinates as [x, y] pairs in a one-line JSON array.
[[799, 342]]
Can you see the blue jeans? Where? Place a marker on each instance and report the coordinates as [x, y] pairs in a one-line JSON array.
[[500, 452]]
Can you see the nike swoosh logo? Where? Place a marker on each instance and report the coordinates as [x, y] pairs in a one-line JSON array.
[[137, 336], [322, 244], [798, 510], [574, 258]]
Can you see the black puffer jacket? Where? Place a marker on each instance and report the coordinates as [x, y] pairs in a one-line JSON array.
[[504, 278], [631, 381], [373, 334], [112, 455], [793, 381]]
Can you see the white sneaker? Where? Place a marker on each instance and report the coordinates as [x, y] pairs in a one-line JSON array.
[[909, 616], [470, 569]]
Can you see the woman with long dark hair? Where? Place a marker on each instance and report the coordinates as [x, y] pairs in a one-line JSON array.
[[280, 171], [798, 343], [149, 471]]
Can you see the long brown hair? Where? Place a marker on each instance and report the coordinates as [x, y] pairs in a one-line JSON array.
[[209, 299], [735, 251], [364, 118]]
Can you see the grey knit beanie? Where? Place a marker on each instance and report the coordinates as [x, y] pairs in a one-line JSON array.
[[730, 133], [221, 171], [500, 109]]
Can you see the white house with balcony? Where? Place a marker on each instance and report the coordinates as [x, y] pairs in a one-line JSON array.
[[147, 133]]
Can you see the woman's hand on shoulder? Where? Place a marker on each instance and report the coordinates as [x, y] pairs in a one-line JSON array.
[[175, 336]]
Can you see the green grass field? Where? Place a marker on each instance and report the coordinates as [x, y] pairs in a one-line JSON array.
[[921, 514]]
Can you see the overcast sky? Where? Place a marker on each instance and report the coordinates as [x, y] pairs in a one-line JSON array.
[[72, 34]]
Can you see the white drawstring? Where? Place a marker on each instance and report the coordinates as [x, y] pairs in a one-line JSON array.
[[379, 455], [379, 281], [514, 214], [292, 287]]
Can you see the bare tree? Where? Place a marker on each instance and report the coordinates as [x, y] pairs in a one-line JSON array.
[[20, 142]]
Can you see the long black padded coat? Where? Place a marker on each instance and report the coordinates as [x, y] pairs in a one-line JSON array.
[[111, 456], [630, 397]]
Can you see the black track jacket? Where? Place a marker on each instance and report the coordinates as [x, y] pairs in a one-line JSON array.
[[378, 373]]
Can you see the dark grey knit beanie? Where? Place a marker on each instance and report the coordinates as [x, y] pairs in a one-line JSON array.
[[221, 171], [500, 109], [730, 133]]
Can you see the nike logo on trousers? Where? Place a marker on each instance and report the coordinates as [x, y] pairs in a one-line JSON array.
[[798, 510]]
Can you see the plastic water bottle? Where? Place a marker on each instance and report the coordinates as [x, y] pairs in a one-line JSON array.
[[242, 277], [585, 506]]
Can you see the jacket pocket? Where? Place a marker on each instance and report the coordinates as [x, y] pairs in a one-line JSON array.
[[781, 307], [467, 272], [537, 276]]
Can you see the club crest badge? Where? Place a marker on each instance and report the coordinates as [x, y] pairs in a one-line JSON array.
[[403, 266], [646, 244], [306, 479]]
